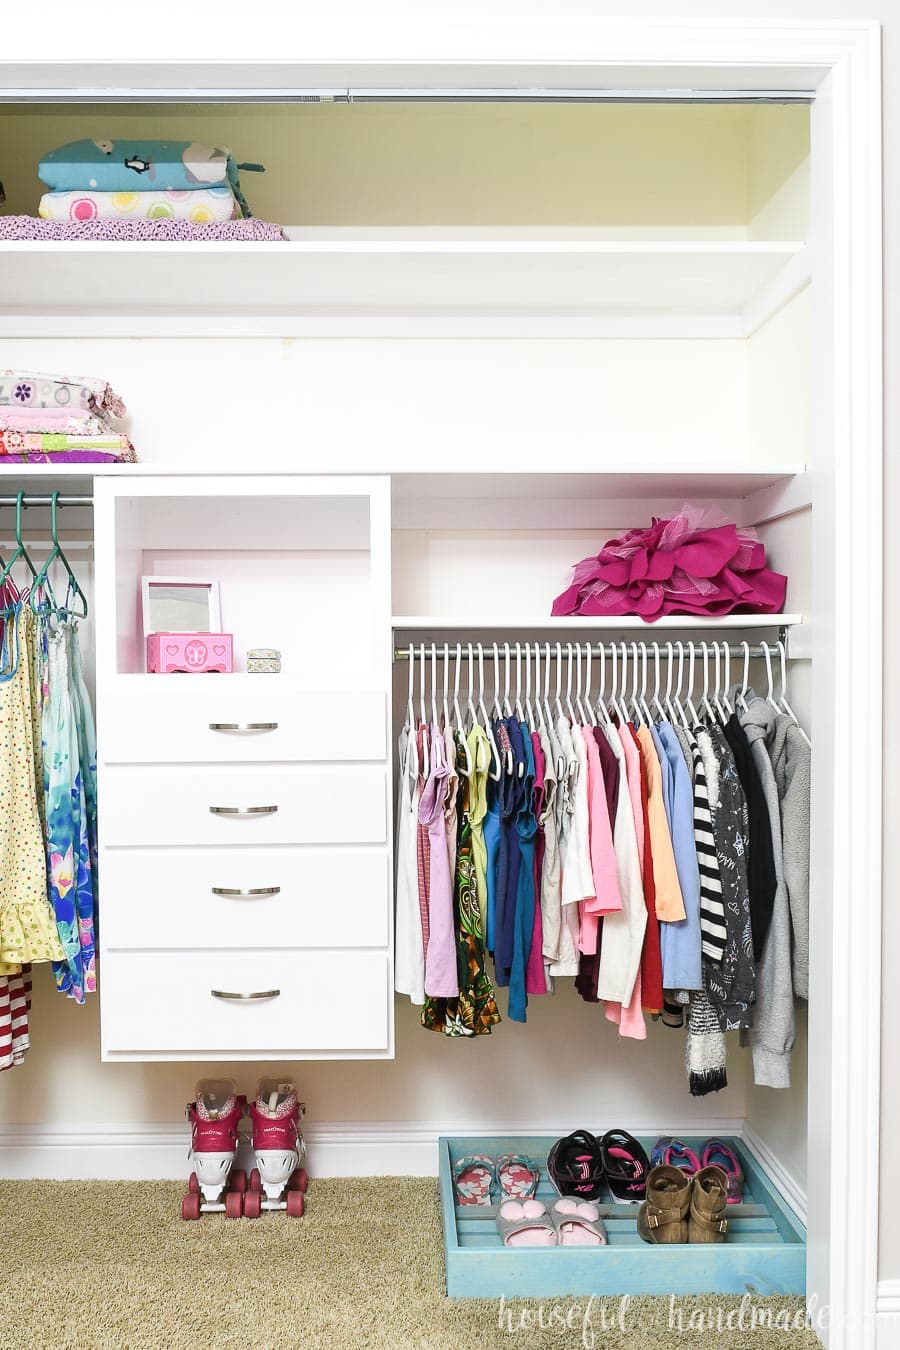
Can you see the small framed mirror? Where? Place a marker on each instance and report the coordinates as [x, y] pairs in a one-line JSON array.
[[181, 605]]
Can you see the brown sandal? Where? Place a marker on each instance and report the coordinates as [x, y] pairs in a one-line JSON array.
[[662, 1218], [709, 1199]]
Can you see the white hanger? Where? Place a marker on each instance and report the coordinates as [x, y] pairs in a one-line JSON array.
[[782, 697], [538, 709], [520, 711], [559, 707], [579, 688], [569, 709], [495, 708], [507, 706], [588, 701], [689, 699], [497, 764], [601, 693], [704, 702], [717, 696], [434, 716], [770, 691], [529, 706], [412, 739], [548, 711], [745, 681], [656, 701], [726, 660], [614, 683], [644, 707], [471, 713], [445, 705], [466, 769], [426, 757]]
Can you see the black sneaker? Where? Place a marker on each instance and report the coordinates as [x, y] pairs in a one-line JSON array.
[[575, 1165], [626, 1166]]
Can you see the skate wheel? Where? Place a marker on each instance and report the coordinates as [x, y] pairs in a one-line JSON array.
[[237, 1182], [193, 1184], [299, 1181], [190, 1206], [234, 1204], [252, 1204], [255, 1183], [295, 1203]]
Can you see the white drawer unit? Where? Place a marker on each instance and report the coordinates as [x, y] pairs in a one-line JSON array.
[[245, 804], [245, 897], [234, 1005], [213, 723], [245, 819]]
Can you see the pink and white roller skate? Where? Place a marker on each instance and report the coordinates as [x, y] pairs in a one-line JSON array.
[[277, 1181], [216, 1186]]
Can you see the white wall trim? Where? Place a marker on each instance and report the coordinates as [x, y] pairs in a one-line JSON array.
[[789, 1187], [145, 1151], [888, 1315]]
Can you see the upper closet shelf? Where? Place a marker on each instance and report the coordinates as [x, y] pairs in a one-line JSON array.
[[380, 281]]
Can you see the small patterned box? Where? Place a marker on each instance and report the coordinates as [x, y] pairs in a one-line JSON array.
[[189, 653], [263, 661]]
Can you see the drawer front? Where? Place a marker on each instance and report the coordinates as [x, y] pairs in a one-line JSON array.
[[216, 724], [156, 1002], [233, 805], [245, 898]]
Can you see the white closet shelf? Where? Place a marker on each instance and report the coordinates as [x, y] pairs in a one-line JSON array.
[[415, 623], [386, 280]]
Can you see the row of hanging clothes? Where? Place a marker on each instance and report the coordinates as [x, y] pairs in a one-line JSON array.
[[651, 846], [48, 783]]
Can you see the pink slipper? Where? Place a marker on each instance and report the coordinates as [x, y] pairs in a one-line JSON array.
[[578, 1223], [526, 1223]]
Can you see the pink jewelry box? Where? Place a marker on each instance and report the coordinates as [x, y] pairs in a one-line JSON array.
[[189, 653]]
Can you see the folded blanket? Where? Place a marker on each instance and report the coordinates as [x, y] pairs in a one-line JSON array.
[[66, 457], [140, 166], [71, 420], [35, 389], [54, 444], [140, 231], [202, 206]]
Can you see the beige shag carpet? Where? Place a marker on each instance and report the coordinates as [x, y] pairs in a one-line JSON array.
[[111, 1264]]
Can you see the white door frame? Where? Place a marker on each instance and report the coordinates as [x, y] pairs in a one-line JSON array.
[[841, 63]]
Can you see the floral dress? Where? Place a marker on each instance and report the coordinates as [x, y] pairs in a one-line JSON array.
[[27, 930], [474, 1012], [67, 807]]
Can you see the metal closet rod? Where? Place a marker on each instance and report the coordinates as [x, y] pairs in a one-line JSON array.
[[44, 499], [757, 649]]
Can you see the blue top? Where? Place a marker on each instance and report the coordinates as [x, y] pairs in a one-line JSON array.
[[526, 828], [680, 942]]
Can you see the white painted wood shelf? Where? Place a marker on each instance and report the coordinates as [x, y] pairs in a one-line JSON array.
[[420, 623], [382, 280]]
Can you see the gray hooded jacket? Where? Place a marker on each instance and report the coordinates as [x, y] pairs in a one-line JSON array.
[[772, 1034]]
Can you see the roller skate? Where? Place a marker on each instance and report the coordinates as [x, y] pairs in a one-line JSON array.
[[215, 1186], [277, 1181]]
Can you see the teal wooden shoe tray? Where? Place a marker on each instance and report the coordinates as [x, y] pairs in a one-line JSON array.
[[764, 1253]]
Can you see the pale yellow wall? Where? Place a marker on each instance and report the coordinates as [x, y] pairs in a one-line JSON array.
[[453, 164]]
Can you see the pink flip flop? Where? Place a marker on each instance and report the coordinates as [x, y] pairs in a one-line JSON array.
[[473, 1177], [517, 1175]]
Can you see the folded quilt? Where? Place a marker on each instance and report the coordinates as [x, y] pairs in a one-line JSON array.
[[54, 444], [35, 389], [71, 420], [65, 457], [202, 206], [142, 231], [139, 166]]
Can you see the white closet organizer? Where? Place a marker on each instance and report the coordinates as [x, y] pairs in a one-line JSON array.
[[637, 326], [247, 813]]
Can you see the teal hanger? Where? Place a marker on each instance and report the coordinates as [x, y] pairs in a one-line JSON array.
[[20, 551], [41, 582]]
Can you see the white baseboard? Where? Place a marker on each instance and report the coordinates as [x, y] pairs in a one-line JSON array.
[[139, 1152], [888, 1315], [790, 1189]]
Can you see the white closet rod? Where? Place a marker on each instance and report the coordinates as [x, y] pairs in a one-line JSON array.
[[32, 499]]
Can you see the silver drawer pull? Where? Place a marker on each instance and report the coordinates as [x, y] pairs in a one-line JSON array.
[[245, 998], [248, 894], [243, 810], [243, 726]]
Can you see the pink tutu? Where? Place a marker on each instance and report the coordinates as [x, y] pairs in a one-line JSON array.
[[690, 564]]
